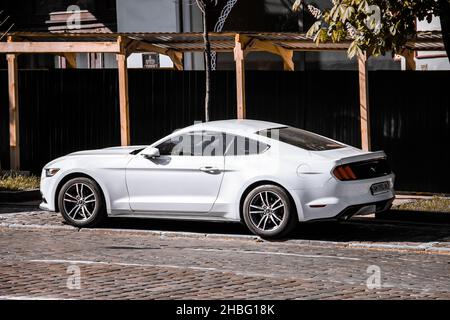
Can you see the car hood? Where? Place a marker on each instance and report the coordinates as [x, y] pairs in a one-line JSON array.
[[108, 151]]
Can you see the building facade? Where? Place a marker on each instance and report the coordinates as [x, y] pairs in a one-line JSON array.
[[434, 60], [184, 16]]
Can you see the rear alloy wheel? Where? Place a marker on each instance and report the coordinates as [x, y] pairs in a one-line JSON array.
[[81, 202], [268, 212]]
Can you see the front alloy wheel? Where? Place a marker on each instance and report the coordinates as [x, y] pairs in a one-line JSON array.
[[81, 202], [268, 212]]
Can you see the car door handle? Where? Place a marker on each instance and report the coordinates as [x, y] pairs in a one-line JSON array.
[[210, 170]]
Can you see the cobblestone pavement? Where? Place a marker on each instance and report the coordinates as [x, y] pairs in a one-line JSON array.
[[40, 258]]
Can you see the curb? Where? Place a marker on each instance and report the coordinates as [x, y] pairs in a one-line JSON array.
[[422, 248], [161, 234], [35, 226], [176, 234], [17, 197]]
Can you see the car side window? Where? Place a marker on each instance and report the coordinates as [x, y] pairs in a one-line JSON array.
[[198, 143], [165, 148], [243, 146]]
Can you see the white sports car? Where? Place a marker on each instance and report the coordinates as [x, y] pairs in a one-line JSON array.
[[267, 175]]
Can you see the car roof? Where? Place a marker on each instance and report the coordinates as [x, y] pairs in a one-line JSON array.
[[246, 125]]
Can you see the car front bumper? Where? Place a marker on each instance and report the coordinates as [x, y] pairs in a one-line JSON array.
[[44, 206], [47, 188]]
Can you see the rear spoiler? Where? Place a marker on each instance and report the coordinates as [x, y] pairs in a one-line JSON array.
[[362, 157]]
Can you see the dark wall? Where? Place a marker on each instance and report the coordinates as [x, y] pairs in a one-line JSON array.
[[410, 116], [67, 110], [303, 100], [162, 101], [62, 111]]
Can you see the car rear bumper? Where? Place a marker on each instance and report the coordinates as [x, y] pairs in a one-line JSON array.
[[359, 209], [335, 198], [364, 208]]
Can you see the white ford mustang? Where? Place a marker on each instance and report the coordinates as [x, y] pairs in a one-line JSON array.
[[268, 175]]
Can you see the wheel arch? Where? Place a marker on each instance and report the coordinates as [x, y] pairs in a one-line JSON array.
[[74, 175], [263, 182]]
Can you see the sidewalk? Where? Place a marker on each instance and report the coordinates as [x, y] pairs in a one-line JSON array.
[[405, 198]]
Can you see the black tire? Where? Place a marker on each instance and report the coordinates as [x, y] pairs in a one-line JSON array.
[[95, 208], [288, 222]]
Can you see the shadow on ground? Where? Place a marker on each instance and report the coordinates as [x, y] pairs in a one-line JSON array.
[[357, 229], [392, 226]]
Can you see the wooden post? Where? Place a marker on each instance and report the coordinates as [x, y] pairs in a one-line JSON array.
[[240, 78], [123, 100], [364, 102], [13, 92], [409, 55], [123, 94], [71, 60]]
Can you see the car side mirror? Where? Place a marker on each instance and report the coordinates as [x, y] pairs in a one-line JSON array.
[[151, 153]]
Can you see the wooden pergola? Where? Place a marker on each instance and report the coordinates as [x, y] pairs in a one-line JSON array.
[[174, 45]]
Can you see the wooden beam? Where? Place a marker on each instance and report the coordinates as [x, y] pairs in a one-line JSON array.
[[71, 60], [13, 92], [409, 59], [123, 93], [177, 58], [131, 47], [174, 55], [240, 77], [364, 102], [249, 44], [268, 46], [57, 47], [148, 47]]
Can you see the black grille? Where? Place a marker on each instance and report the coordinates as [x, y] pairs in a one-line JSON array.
[[371, 169]]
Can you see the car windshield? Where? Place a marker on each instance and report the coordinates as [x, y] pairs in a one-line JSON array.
[[301, 138]]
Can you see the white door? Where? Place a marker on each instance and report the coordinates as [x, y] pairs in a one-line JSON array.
[[183, 179]]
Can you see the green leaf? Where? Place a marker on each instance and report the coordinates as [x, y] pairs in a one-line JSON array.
[[378, 37]]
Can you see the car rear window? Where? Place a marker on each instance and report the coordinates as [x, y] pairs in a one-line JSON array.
[[301, 138]]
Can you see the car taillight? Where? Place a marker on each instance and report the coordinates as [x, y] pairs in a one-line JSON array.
[[344, 173]]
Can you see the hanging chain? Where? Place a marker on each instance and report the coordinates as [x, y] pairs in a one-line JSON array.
[[219, 26]]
